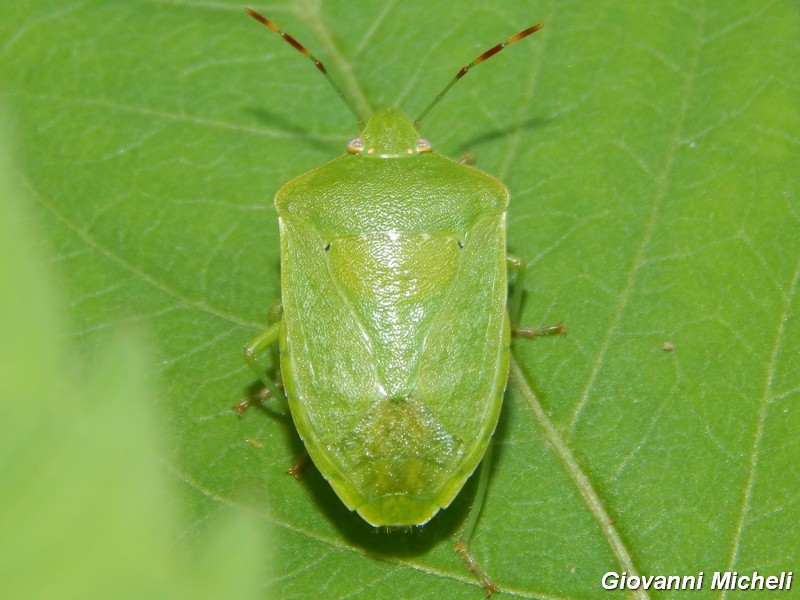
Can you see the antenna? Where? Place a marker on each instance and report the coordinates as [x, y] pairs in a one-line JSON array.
[[304, 51], [464, 70]]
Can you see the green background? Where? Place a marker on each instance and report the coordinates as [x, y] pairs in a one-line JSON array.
[[652, 151]]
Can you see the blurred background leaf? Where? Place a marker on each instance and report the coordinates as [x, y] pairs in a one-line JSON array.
[[86, 510], [652, 152]]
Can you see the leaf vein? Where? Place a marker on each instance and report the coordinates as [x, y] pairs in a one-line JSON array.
[[758, 436], [579, 477], [660, 194], [155, 283]]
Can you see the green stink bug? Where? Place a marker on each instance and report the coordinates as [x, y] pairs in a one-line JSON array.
[[394, 331]]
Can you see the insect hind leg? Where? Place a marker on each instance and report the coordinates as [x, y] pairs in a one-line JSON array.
[[463, 541]]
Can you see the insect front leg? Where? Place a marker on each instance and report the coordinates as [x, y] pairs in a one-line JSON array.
[[518, 266]]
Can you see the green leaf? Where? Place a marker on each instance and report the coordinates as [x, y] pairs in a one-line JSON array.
[[652, 152]]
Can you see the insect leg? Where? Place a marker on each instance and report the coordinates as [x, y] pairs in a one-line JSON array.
[[463, 541], [298, 466], [516, 264], [264, 341], [467, 159]]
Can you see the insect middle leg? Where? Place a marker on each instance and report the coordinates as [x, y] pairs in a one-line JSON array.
[[518, 266], [264, 341], [269, 340]]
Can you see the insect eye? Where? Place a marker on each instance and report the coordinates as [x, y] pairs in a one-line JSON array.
[[423, 146], [355, 145]]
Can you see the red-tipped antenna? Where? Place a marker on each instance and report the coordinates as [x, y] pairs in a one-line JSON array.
[[304, 51], [464, 70]]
